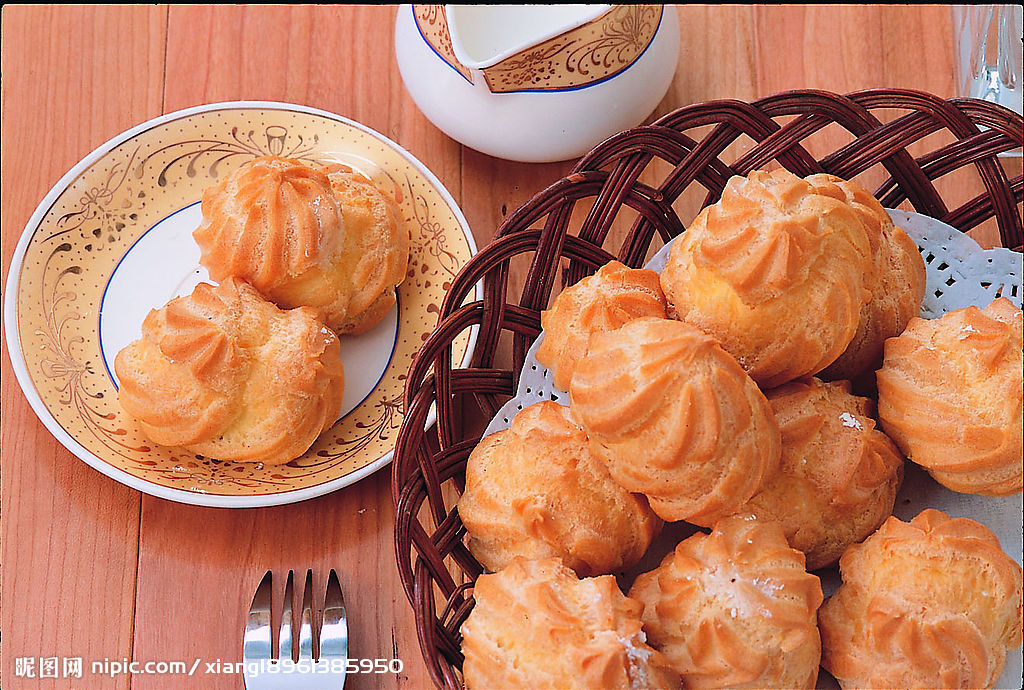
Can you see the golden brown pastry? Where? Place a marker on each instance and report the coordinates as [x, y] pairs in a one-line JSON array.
[[933, 603], [601, 302], [897, 285], [674, 417], [735, 609], [535, 625], [306, 236], [226, 374], [950, 396], [534, 490], [776, 271], [839, 475], [379, 241]]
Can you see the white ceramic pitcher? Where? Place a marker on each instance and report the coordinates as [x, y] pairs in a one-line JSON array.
[[536, 83]]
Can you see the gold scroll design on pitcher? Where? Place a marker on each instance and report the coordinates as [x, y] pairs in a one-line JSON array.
[[593, 52], [432, 21]]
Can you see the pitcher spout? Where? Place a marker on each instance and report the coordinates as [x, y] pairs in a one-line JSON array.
[[484, 35], [531, 48]]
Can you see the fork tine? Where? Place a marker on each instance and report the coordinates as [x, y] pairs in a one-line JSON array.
[[257, 641], [285, 648], [306, 626], [334, 631]]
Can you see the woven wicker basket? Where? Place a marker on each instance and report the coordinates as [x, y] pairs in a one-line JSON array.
[[436, 569]]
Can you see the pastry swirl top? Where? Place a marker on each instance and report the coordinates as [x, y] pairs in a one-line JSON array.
[[270, 220], [674, 417], [930, 603], [601, 302], [536, 625], [735, 608], [226, 374], [950, 396], [768, 231], [749, 266]]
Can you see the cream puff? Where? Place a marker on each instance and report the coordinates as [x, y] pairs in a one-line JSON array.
[[673, 416], [224, 373], [534, 490], [306, 235], [777, 271], [735, 608], [535, 625], [839, 475], [950, 396], [933, 603]]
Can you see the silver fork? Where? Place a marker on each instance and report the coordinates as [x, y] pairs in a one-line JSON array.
[[314, 660]]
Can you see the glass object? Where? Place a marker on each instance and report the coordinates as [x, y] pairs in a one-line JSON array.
[[989, 57]]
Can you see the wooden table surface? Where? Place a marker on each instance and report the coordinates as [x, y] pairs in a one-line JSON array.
[[97, 571]]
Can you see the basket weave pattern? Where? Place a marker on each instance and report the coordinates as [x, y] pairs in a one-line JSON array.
[[436, 569]]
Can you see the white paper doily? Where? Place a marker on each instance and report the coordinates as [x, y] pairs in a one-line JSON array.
[[959, 273]]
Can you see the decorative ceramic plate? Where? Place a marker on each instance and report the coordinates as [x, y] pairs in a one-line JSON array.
[[113, 239]]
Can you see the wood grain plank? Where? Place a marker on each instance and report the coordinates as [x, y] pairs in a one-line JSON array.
[[717, 57], [844, 48], [73, 77]]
